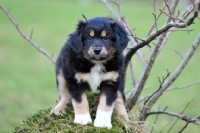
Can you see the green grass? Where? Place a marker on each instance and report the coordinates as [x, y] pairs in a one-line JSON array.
[[42, 121], [27, 80]]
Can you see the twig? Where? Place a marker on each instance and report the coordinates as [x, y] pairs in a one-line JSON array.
[[157, 17], [129, 30], [142, 114], [29, 39], [154, 14], [84, 17], [183, 17], [175, 18], [131, 52], [182, 118], [164, 127], [183, 87], [119, 7], [181, 30], [171, 12], [132, 73], [184, 127], [111, 10], [179, 54], [170, 89], [174, 75], [177, 115], [155, 120]]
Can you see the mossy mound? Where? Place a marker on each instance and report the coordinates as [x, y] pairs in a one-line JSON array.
[[43, 122]]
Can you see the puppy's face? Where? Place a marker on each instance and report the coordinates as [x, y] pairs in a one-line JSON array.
[[98, 43], [99, 39]]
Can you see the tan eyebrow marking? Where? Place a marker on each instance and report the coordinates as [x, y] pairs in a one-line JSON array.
[[91, 33], [103, 33]]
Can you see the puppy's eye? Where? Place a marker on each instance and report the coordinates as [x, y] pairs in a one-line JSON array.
[[106, 38], [89, 38]]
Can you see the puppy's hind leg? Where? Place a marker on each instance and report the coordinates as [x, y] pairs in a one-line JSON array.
[[65, 97]]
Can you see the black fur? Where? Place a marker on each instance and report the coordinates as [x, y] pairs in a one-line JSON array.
[[74, 57]]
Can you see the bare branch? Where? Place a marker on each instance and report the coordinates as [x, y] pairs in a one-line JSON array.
[[151, 37], [175, 74], [132, 73], [179, 118], [111, 10], [183, 17], [183, 87], [29, 39], [179, 54], [177, 115], [154, 14], [146, 72], [170, 89], [84, 17], [129, 30], [183, 127], [175, 18], [155, 120], [171, 11], [119, 7], [157, 17], [143, 112]]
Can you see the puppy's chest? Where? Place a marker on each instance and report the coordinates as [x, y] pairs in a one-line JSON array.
[[96, 75]]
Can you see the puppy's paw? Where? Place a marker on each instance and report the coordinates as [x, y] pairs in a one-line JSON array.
[[103, 119], [59, 109], [101, 122], [83, 119]]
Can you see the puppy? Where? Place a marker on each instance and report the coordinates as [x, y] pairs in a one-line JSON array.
[[92, 59]]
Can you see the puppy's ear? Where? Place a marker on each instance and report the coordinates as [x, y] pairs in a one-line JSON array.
[[121, 37], [76, 38]]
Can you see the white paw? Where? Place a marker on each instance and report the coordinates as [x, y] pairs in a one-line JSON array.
[[83, 119], [102, 123], [103, 119], [53, 111], [59, 109]]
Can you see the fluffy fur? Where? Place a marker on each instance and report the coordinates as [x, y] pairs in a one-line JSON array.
[[92, 59]]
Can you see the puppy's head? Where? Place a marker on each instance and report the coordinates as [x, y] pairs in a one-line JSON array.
[[99, 39]]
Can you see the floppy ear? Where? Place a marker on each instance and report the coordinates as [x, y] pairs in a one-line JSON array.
[[76, 38], [121, 37]]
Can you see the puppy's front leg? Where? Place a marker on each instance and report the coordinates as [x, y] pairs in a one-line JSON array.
[[105, 109], [81, 110]]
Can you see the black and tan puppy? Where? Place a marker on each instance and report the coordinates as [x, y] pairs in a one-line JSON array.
[[92, 59]]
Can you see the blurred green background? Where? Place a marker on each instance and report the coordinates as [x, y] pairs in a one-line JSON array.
[[27, 80]]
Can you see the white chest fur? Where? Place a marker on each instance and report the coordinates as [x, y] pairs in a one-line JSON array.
[[96, 76]]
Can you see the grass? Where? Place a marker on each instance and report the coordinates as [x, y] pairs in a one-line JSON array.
[[42, 121], [27, 81]]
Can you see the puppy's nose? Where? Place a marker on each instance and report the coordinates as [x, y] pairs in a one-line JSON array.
[[97, 50]]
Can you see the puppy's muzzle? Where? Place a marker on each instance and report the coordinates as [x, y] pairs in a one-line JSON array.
[[97, 50]]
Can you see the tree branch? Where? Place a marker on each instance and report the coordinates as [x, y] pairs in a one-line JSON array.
[[183, 87], [174, 75], [177, 115], [29, 39], [162, 32]]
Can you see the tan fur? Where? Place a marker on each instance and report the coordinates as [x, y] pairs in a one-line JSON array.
[[113, 50], [90, 51], [110, 76], [82, 107], [80, 76], [102, 104], [104, 51], [91, 33], [120, 107], [103, 33], [65, 97]]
